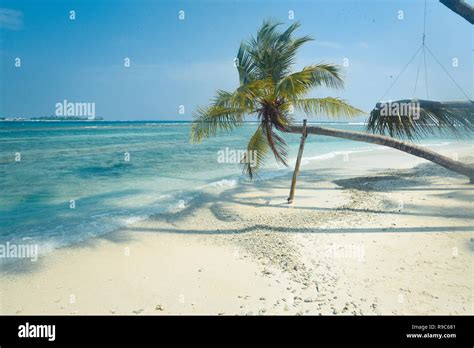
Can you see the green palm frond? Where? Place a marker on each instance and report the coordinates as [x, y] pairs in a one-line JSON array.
[[245, 65], [298, 84], [209, 120], [273, 52], [295, 85], [276, 143], [267, 30], [258, 149], [286, 36], [328, 75], [329, 106], [456, 118], [285, 58], [246, 96]]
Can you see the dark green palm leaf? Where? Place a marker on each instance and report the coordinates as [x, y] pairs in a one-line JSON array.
[[245, 65], [259, 146], [300, 83], [328, 106], [209, 120], [452, 117], [276, 143]]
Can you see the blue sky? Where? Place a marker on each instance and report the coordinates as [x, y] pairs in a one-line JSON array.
[[182, 62]]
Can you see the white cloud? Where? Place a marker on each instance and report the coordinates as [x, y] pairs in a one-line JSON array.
[[11, 19], [363, 44]]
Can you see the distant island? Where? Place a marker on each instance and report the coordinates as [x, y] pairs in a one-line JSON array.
[[53, 118]]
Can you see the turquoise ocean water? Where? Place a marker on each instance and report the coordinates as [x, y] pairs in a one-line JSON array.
[[86, 162]]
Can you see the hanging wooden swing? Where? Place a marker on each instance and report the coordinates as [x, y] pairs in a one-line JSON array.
[[411, 118]]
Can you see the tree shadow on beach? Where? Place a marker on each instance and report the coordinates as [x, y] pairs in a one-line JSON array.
[[22, 266], [277, 229], [400, 181], [218, 202]]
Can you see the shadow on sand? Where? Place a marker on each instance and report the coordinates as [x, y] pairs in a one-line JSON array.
[[411, 180]]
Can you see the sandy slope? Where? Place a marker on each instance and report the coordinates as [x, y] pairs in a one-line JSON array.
[[359, 239]]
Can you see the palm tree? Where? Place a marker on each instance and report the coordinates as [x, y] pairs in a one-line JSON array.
[[270, 91]]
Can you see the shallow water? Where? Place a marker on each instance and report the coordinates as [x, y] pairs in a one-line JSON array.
[[77, 180]]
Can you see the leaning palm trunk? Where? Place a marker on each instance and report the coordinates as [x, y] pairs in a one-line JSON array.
[[271, 91], [409, 148], [461, 7]]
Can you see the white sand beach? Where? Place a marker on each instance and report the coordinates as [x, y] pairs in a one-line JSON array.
[[380, 232]]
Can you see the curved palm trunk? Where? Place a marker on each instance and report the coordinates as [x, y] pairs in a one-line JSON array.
[[461, 7], [409, 148]]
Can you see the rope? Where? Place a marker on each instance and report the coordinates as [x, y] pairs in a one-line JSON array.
[[416, 80], [411, 59], [424, 51], [424, 48], [401, 72], [424, 24], [447, 73], [426, 71]]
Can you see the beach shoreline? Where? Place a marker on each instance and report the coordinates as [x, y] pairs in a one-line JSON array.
[[369, 233]]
